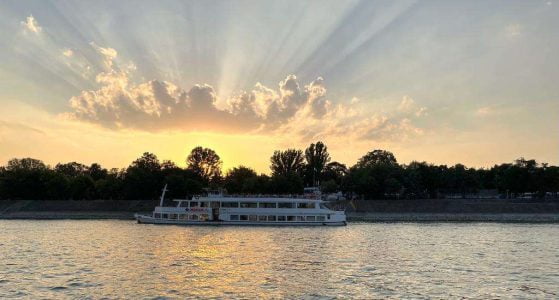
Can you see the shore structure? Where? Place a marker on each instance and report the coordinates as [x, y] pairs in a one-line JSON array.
[[217, 209]]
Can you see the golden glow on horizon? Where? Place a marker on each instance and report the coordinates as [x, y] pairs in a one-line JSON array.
[[54, 139]]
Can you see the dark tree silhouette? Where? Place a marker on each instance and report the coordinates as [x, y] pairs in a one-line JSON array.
[[377, 175], [26, 164], [205, 162], [241, 180], [71, 169], [316, 156], [143, 178], [376, 157], [286, 163]]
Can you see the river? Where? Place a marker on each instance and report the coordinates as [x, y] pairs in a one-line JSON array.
[[121, 259]]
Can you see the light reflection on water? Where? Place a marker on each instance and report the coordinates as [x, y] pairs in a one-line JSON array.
[[112, 259]]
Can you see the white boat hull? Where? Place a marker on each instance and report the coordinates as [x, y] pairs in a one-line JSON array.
[[144, 219]]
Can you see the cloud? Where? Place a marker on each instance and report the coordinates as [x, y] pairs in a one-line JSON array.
[[108, 54], [408, 106], [485, 111], [5, 125], [68, 52], [289, 109], [31, 25]]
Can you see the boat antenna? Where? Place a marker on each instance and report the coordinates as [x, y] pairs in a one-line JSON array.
[[163, 195]]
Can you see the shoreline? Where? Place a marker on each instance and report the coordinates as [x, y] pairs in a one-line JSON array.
[[352, 217]]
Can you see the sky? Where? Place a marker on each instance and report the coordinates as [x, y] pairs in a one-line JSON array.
[[472, 82]]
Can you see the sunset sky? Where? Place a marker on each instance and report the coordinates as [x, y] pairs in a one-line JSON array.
[[475, 82]]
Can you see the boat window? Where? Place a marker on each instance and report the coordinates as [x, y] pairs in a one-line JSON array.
[[249, 205], [157, 215], [183, 217], [230, 204], [173, 216], [290, 218], [300, 218], [281, 218], [320, 218], [194, 217], [244, 217], [183, 204], [252, 218], [271, 218], [203, 204], [165, 216], [262, 218], [328, 217], [311, 218], [267, 205], [203, 217], [194, 204], [234, 217], [286, 205], [305, 205]]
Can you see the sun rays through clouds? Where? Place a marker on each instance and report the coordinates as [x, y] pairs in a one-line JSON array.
[[423, 79]]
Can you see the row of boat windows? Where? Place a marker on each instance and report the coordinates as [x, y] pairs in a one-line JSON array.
[[251, 204], [198, 217], [255, 218]]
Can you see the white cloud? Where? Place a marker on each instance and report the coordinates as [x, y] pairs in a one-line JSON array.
[[408, 106], [31, 25], [109, 54], [68, 53], [291, 109]]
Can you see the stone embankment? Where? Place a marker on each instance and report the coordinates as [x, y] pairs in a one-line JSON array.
[[431, 210]]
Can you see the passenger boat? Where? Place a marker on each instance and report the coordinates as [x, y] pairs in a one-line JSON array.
[[217, 209]]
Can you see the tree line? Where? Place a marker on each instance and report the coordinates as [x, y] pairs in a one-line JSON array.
[[376, 175]]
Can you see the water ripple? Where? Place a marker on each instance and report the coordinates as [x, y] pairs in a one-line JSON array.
[[121, 259]]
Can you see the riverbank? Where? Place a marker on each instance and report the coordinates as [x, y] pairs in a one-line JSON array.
[[453, 217], [463, 210]]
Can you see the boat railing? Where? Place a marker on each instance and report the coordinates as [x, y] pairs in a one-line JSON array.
[[280, 196]]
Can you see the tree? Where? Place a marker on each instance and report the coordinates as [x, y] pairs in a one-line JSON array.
[[422, 180], [168, 165], [376, 157], [82, 187], [335, 171], [287, 163], [57, 187], [71, 169], [96, 172], [361, 181], [142, 179], [25, 179], [316, 156], [109, 187], [291, 183], [148, 162], [205, 162], [329, 186], [375, 176], [240, 180], [27, 164]]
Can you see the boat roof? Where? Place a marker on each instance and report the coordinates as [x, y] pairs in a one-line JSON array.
[[250, 199]]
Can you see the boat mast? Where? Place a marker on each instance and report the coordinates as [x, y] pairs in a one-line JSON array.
[[163, 195]]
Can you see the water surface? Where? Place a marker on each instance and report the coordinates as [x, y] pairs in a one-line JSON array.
[[122, 259]]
